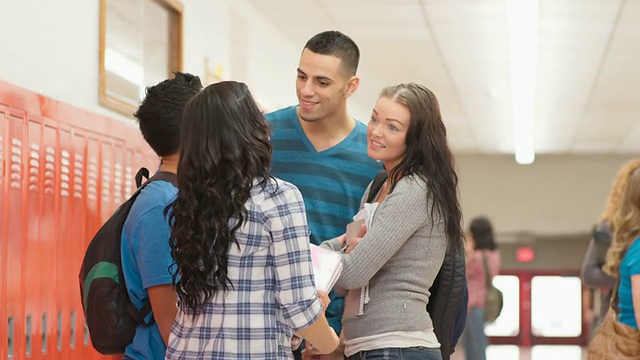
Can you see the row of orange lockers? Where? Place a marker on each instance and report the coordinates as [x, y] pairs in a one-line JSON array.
[[64, 171]]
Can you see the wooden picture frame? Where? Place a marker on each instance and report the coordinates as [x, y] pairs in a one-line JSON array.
[[140, 45]]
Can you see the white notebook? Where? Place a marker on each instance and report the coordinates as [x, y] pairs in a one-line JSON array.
[[327, 267]]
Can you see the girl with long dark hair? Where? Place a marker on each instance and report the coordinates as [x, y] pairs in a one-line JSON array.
[[239, 239], [388, 271]]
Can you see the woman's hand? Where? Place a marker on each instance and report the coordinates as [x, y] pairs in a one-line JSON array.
[[311, 353], [324, 298], [356, 239]]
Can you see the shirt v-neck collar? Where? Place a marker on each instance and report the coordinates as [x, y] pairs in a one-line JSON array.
[[305, 139]]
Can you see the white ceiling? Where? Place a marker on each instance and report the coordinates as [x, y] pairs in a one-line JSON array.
[[588, 74]]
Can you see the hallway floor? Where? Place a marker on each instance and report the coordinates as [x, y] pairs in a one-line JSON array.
[[538, 352]]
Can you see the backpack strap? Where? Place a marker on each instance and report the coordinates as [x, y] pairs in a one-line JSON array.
[[141, 315], [164, 176], [142, 173], [487, 272], [376, 184]]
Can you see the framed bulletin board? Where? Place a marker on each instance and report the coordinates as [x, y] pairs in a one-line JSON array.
[[140, 45]]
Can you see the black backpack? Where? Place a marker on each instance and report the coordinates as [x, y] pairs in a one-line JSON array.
[[449, 297], [110, 315]]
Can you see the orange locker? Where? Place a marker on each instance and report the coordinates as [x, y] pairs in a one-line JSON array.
[[77, 229], [119, 174], [106, 180], [129, 173], [15, 231], [63, 171], [33, 266], [53, 177], [3, 226], [93, 221], [64, 245]]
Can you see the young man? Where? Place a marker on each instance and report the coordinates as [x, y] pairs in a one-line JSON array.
[[146, 255], [319, 147]]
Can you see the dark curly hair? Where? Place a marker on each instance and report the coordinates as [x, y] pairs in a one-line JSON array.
[[428, 155], [224, 148], [160, 112]]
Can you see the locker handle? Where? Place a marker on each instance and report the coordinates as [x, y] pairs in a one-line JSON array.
[[59, 331], [72, 329], [44, 333], [28, 331], [10, 337]]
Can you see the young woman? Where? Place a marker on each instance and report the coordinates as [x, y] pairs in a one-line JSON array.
[[593, 276], [623, 257], [618, 337], [239, 238], [388, 272]]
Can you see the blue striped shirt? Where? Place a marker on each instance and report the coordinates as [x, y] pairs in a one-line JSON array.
[[332, 181]]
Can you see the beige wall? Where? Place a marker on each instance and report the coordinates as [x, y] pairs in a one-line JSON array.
[[557, 194], [550, 205]]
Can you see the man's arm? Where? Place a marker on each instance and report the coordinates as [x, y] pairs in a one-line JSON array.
[[163, 306]]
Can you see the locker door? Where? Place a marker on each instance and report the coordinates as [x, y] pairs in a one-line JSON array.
[[33, 266], [63, 259], [49, 223], [119, 173], [76, 241], [106, 181], [15, 245], [129, 181], [4, 176], [93, 218]]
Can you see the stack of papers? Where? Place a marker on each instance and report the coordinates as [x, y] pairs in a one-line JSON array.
[[327, 267]]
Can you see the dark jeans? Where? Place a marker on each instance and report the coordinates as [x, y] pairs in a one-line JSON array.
[[413, 353]]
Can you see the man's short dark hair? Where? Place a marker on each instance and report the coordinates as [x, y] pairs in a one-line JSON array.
[[336, 44], [161, 109]]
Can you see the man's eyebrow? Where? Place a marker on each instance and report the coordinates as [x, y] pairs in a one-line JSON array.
[[323, 78], [326, 78]]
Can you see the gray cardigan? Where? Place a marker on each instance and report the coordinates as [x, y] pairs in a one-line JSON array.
[[399, 258]]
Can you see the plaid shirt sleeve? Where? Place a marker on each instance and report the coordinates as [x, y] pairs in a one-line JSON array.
[[295, 284]]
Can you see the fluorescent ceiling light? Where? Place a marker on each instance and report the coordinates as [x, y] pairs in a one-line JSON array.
[[522, 19]]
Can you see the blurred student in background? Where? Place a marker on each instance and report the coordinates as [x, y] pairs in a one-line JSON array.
[[623, 257], [593, 275], [483, 261]]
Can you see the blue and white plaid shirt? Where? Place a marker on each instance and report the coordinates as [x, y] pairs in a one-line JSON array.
[[273, 291]]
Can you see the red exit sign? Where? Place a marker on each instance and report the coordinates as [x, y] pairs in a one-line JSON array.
[[525, 254]]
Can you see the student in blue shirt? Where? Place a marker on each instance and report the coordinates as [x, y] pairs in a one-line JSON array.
[[146, 255]]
